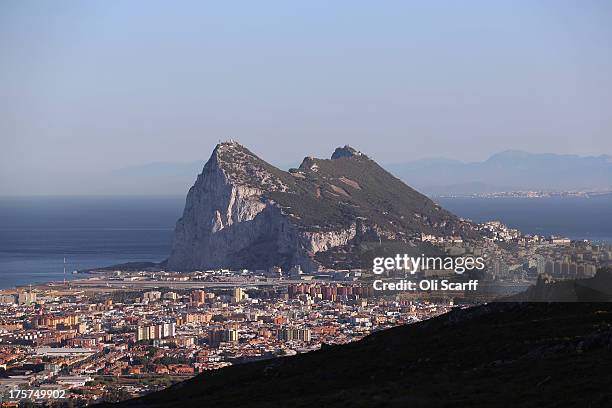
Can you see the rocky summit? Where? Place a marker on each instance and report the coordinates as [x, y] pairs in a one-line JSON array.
[[243, 212]]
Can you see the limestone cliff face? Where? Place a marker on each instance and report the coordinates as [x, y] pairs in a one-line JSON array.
[[229, 223], [244, 213]]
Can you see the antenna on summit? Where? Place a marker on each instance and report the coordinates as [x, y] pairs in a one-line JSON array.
[[64, 271]]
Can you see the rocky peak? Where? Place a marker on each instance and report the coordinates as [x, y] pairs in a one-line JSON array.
[[309, 164], [243, 167], [243, 212], [346, 151], [227, 153]]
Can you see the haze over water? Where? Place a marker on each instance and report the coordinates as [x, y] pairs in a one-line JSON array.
[[36, 233]]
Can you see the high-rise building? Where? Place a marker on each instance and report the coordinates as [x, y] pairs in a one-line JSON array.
[[294, 334], [156, 331], [171, 296], [231, 335], [151, 296], [197, 317], [274, 272], [573, 270], [215, 337], [565, 266], [549, 268], [218, 336], [239, 295], [590, 270], [7, 299], [540, 264], [27, 298], [198, 296], [500, 269]]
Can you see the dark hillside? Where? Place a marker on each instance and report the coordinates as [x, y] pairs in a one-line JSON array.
[[503, 354]]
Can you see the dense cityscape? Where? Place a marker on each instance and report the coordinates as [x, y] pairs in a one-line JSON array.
[[118, 334], [109, 346], [305, 204]]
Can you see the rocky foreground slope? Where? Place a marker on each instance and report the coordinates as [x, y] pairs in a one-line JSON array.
[[503, 354], [245, 213]]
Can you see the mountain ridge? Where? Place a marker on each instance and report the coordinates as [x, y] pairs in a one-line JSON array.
[[242, 212], [507, 171]]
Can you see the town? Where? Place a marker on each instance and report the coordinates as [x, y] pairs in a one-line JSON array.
[[117, 334], [112, 344]]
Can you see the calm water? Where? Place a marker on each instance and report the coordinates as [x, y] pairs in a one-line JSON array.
[[37, 233], [576, 218]]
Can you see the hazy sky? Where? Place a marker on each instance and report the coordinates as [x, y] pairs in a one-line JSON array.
[[87, 87]]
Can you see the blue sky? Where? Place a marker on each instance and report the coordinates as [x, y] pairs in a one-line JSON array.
[[89, 87]]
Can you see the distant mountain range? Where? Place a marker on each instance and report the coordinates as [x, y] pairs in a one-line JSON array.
[[511, 170]]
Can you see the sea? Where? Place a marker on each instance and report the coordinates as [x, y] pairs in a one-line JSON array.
[[573, 217], [38, 233]]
